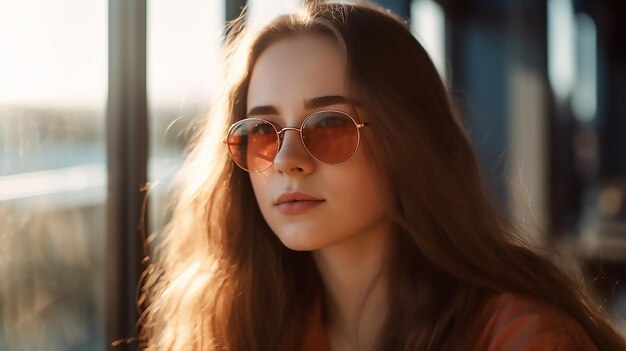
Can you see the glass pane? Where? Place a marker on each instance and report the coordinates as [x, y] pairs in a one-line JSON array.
[[52, 174], [184, 50], [428, 25], [263, 11]]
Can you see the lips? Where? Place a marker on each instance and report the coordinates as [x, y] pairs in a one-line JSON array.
[[293, 204], [295, 197]]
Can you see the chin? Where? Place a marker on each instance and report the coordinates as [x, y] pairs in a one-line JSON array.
[[300, 242], [300, 246]]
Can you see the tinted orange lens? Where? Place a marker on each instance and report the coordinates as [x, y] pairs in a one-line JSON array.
[[331, 137], [253, 144]]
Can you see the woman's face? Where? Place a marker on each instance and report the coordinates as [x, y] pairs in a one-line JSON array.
[[287, 74]]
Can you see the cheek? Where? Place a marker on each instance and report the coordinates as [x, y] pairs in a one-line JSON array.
[[357, 189], [359, 192], [261, 188]]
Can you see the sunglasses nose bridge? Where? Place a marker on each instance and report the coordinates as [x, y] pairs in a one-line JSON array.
[[282, 131], [281, 135]]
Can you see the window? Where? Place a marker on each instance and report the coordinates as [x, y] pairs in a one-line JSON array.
[[52, 174]]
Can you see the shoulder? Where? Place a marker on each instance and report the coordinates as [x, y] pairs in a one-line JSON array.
[[517, 323]]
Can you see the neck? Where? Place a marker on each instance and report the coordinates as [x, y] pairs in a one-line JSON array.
[[355, 282]]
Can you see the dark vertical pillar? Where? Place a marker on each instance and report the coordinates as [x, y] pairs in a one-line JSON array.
[[605, 261], [234, 8], [611, 27], [477, 44], [127, 140]]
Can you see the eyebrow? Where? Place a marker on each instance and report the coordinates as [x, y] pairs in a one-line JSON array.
[[309, 104]]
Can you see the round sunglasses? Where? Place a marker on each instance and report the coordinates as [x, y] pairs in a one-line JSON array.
[[329, 136]]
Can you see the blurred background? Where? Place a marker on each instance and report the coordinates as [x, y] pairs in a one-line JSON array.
[[95, 98]]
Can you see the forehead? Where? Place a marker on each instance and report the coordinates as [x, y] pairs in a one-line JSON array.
[[295, 69]]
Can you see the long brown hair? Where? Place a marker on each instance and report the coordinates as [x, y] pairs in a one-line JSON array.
[[221, 280]]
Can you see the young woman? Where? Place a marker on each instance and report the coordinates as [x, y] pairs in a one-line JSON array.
[[333, 201]]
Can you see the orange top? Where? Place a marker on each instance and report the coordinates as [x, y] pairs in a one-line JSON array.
[[507, 322], [516, 323]]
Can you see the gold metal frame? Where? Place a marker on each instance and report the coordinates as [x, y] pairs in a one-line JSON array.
[[299, 130]]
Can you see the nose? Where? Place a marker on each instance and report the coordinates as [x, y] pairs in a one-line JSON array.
[[292, 157]]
